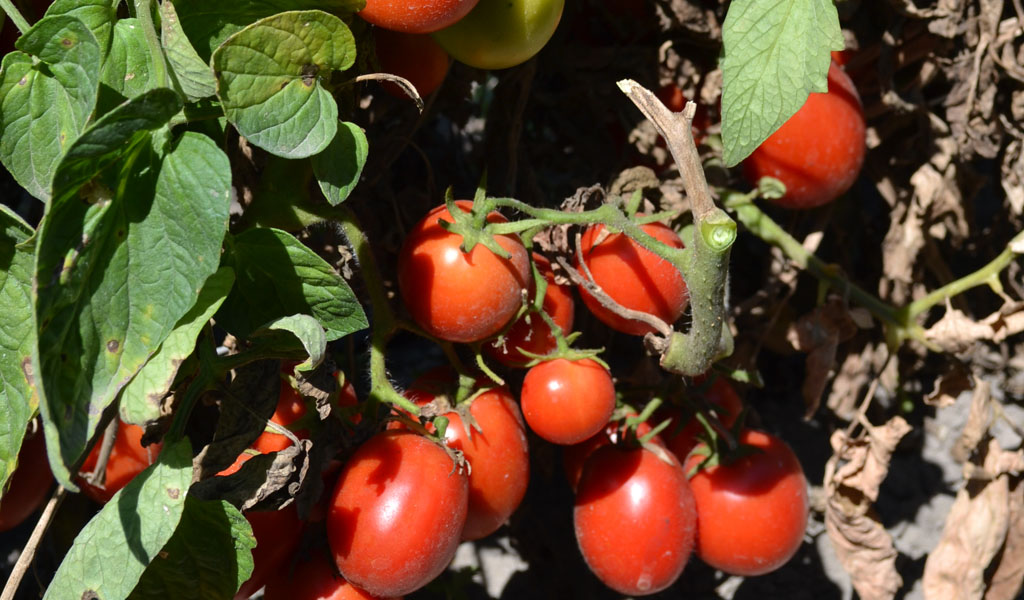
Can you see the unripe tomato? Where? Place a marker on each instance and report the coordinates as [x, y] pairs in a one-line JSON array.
[[416, 57], [30, 483], [818, 152], [751, 514], [634, 277], [415, 16], [499, 34], [128, 458], [397, 513], [634, 519], [531, 333], [567, 401], [313, 579], [458, 296], [681, 438]]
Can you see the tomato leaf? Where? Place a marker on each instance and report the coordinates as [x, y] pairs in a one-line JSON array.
[[339, 166], [116, 269], [115, 547], [128, 70], [774, 55], [193, 76], [46, 102], [271, 75], [284, 332], [140, 400], [98, 15], [208, 557], [278, 276], [17, 337]]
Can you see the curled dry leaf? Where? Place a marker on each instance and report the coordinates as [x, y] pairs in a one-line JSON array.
[[955, 332], [853, 476], [978, 421], [855, 372], [1006, 580], [819, 334], [948, 387]]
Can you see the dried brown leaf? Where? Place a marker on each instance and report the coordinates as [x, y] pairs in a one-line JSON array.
[[948, 387], [819, 334], [956, 332], [1006, 580], [979, 419]]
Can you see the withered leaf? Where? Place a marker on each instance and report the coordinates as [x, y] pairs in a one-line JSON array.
[[1006, 580], [948, 386], [956, 332], [819, 334]]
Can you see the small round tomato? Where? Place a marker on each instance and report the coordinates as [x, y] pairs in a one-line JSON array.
[[128, 458], [531, 333], [634, 277], [681, 438], [313, 579], [752, 513], [634, 518], [415, 16], [415, 57], [576, 455], [459, 296], [397, 513], [567, 401], [499, 34], [819, 151], [30, 483]]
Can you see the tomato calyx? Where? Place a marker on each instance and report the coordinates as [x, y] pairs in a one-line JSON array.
[[472, 226]]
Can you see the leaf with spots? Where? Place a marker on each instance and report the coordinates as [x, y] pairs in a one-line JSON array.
[[17, 337], [272, 76], [773, 55], [129, 68], [47, 92], [114, 549], [98, 15], [141, 399], [120, 261], [208, 557]]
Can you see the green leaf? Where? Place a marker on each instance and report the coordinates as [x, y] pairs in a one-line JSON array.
[[98, 15], [208, 24], [277, 276], [208, 558], [339, 166], [17, 337], [129, 68], [774, 55], [282, 333], [115, 547], [115, 271], [44, 104], [140, 400], [193, 75], [270, 79]]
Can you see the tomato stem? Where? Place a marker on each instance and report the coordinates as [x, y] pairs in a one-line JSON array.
[[15, 15]]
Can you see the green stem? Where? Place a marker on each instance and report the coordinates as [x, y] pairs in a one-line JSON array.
[[15, 15], [144, 12]]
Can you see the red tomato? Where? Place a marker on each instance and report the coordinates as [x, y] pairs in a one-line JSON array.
[[313, 579], [457, 296], [681, 438], [575, 456], [415, 16], [752, 513], [634, 277], [818, 152], [497, 454], [635, 520], [291, 408], [565, 402], [397, 513], [30, 483], [417, 58], [128, 458], [531, 332]]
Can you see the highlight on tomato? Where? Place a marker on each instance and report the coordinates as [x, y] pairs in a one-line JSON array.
[[415, 16], [567, 401], [498, 34], [128, 458]]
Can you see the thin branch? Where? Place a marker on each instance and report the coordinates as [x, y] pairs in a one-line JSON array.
[[29, 552]]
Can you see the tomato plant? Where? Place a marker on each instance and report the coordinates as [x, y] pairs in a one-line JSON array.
[[567, 401], [751, 513], [30, 483], [818, 152], [312, 579], [499, 34], [397, 513], [634, 277], [531, 332], [291, 409], [415, 16], [681, 436], [634, 519], [459, 296], [416, 57], [128, 458]]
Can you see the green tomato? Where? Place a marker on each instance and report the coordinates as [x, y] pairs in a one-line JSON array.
[[498, 34]]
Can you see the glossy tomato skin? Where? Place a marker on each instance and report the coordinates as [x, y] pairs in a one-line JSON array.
[[397, 513], [634, 277], [457, 296], [819, 151], [415, 16], [416, 57], [634, 519], [499, 34], [313, 579], [566, 402], [576, 455], [531, 333], [753, 512], [29, 485], [681, 438], [128, 458]]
